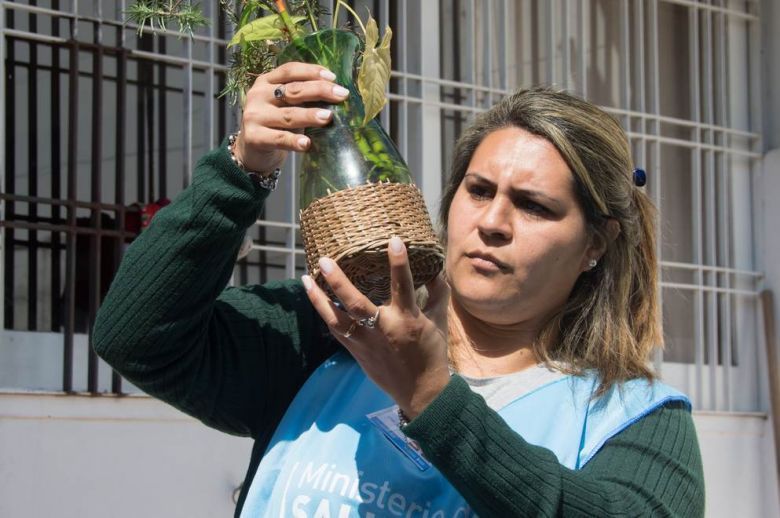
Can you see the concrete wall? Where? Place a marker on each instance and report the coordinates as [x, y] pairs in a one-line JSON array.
[[83, 457], [739, 465]]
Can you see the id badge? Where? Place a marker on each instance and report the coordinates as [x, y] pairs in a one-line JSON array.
[[387, 422]]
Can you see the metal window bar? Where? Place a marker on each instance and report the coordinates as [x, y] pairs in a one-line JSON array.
[[9, 180]]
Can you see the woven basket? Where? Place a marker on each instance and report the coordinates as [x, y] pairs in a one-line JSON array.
[[352, 227]]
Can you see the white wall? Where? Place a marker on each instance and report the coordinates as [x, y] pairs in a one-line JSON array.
[[83, 457], [739, 467], [80, 456], [34, 361]]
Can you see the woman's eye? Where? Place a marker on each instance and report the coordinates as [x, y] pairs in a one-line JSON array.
[[533, 207], [478, 192]]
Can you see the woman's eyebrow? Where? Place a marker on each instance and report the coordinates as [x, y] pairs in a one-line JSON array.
[[478, 177], [530, 193]]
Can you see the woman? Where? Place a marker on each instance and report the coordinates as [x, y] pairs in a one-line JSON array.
[[522, 388]]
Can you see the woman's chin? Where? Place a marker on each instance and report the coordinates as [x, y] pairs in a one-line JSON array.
[[480, 299]]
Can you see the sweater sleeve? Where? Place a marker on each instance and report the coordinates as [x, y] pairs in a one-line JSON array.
[[652, 468], [232, 357]]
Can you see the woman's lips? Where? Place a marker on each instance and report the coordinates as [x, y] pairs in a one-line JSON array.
[[486, 262]]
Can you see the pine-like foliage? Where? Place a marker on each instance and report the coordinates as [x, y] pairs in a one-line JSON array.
[[161, 13]]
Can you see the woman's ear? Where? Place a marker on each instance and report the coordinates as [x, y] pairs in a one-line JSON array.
[[613, 230], [600, 242]]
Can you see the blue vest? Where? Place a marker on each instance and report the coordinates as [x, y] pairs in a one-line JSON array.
[[338, 453]]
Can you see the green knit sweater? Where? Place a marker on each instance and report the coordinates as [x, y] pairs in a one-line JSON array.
[[235, 357]]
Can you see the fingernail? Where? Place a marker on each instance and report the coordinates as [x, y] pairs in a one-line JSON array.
[[396, 245], [326, 265], [303, 142], [327, 74], [323, 114], [340, 91], [307, 282]]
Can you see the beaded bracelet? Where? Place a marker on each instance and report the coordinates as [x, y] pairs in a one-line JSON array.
[[266, 181]]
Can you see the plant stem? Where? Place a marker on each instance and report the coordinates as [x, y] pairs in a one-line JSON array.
[[336, 16], [352, 12], [291, 29], [311, 17], [330, 185]]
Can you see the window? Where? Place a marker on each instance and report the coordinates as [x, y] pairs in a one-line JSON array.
[[97, 119]]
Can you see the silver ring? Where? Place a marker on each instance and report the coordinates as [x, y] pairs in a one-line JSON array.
[[351, 329], [279, 92], [369, 322]]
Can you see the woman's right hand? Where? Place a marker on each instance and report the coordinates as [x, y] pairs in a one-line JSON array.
[[271, 127]]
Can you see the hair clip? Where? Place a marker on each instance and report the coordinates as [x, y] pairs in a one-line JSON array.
[[640, 177]]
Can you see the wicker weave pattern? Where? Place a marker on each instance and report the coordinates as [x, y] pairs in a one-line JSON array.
[[353, 226]]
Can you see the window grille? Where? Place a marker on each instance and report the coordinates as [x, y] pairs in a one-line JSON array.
[[81, 89]]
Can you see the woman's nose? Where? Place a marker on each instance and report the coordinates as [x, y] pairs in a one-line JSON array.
[[495, 220]]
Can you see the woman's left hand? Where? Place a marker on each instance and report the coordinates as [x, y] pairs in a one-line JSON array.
[[405, 354]]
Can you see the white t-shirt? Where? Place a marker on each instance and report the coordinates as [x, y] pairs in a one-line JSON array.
[[499, 391]]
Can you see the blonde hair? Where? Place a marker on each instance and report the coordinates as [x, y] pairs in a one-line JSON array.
[[610, 321]]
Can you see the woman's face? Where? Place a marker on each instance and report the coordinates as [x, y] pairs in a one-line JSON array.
[[517, 237]]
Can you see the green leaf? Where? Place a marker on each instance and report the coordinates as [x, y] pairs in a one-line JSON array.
[[374, 73], [266, 28], [244, 19]]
